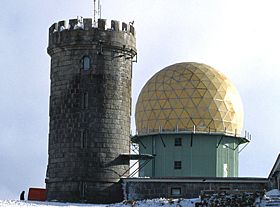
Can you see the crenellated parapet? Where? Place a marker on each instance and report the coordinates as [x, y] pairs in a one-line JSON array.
[[84, 32]]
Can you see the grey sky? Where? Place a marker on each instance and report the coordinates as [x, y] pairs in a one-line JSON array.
[[239, 38]]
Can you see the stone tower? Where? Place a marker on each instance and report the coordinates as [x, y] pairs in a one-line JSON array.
[[90, 108]]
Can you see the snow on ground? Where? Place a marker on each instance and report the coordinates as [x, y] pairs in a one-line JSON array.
[[144, 203], [271, 198]]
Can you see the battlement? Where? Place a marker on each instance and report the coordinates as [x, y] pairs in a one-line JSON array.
[[86, 33], [88, 24]]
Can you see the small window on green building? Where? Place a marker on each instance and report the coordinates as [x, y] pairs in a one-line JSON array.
[[178, 142], [177, 165]]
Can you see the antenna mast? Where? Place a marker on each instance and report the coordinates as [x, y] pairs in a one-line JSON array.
[[99, 9], [96, 11]]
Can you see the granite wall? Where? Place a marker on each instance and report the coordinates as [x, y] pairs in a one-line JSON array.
[[148, 188], [90, 108]]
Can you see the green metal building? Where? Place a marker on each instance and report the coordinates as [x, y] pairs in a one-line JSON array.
[[189, 117]]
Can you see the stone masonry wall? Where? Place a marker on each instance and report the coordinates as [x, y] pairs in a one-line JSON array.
[[89, 110], [138, 190]]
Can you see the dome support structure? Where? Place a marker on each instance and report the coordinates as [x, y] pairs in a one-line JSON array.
[[242, 140], [145, 157]]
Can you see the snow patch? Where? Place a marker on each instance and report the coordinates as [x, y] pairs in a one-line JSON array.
[[160, 202], [273, 193]]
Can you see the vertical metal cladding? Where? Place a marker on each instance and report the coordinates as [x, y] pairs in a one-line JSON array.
[[89, 109]]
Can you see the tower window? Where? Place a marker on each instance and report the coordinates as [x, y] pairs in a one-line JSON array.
[[83, 139], [86, 63], [178, 142], [177, 165], [85, 100]]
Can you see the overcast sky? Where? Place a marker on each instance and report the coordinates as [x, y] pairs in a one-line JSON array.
[[240, 38]]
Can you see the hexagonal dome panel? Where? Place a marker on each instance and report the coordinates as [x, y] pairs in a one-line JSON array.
[[186, 97]]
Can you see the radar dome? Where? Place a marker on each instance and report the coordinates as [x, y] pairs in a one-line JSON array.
[[189, 96]]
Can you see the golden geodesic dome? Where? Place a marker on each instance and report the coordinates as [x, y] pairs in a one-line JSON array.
[[189, 96]]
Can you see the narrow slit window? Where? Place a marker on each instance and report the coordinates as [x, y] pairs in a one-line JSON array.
[[86, 63], [85, 100], [83, 139]]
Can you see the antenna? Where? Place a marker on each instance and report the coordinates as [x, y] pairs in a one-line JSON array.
[[96, 11], [99, 9]]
